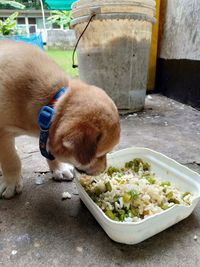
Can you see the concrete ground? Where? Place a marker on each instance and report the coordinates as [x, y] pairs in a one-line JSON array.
[[37, 228]]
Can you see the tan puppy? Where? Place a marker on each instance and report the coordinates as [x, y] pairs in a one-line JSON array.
[[85, 126]]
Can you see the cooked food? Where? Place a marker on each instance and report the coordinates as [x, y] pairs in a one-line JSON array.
[[133, 193]]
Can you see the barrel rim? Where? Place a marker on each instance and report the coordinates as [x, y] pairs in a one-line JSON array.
[[131, 3], [116, 16]]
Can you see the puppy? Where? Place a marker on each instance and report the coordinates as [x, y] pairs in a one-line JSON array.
[[84, 127]]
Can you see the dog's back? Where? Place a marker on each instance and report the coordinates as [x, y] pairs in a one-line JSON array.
[[27, 77]]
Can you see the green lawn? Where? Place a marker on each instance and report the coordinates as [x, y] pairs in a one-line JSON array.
[[64, 59]]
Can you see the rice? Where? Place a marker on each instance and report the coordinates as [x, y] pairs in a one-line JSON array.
[[132, 193]]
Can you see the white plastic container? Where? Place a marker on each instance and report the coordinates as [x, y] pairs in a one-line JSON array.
[[113, 52], [167, 170]]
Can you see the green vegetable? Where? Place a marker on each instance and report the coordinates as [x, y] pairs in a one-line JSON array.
[[126, 197], [98, 191], [185, 194], [136, 164], [150, 179], [165, 183], [115, 199], [164, 207], [129, 164], [135, 212], [129, 213], [134, 194], [108, 186], [146, 166], [122, 182], [171, 199], [112, 170], [174, 200], [110, 214], [119, 175], [164, 190], [169, 195], [121, 215]]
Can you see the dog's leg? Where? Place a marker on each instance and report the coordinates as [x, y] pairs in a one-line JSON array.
[[11, 181], [60, 171]]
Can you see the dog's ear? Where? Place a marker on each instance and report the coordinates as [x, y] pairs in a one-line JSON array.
[[82, 143]]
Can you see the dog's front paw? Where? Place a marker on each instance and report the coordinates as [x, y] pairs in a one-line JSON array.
[[9, 190], [65, 173]]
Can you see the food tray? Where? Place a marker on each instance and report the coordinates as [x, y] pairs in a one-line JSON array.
[[165, 169]]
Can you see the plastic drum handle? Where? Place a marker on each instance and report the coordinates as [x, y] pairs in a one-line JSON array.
[[95, 10]]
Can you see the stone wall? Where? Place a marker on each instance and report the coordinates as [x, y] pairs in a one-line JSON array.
[[178, 68], [61, 39], [180, 29]]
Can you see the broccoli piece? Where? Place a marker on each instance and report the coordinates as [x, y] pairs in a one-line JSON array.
[[169, 195], [134, 194], [129, 164], [135, 212], [112, 170], [165, 183], [110, 214], [108, 186], [121, 215], [164, 207], [150, 179], [173, 200], [146, 166], [136, 164]]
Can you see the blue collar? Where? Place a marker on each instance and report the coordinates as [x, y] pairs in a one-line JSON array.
[[44, 120]]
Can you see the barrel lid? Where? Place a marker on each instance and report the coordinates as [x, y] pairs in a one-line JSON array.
[[84, 3], [82, 8]]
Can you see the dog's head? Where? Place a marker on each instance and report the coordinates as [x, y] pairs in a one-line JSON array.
[[85, 129]]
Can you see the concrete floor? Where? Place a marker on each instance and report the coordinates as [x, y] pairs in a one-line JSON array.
[[37, 228]]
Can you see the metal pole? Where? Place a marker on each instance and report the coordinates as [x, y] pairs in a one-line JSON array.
[[43, 17]]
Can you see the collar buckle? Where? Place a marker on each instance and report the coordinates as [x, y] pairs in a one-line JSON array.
[[45, 117], [44, 120]]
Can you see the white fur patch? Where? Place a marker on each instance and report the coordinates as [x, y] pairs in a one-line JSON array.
[[8, 191], [65, 173]]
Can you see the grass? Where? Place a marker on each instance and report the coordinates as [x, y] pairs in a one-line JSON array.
[[64, 60]]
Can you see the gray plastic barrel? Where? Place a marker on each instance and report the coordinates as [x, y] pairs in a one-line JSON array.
[[113, 53]]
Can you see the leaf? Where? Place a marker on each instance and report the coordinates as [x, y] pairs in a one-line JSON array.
[[12, 3], [60, 17], [13, 16], [8, 26]]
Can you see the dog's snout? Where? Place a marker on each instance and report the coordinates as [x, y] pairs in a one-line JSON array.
[[80, 171]]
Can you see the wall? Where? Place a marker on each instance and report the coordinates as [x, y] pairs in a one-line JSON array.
[[181, 30], [61, 39], [178, 69]]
